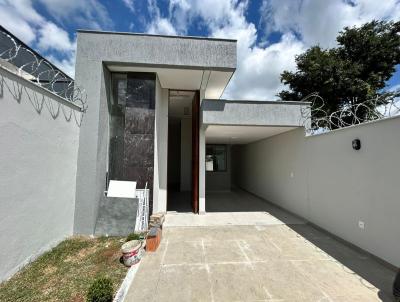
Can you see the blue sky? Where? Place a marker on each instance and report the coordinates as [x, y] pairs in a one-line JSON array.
[[270, 33]]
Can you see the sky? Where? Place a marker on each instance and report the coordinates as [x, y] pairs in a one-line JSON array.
[[269, 33]]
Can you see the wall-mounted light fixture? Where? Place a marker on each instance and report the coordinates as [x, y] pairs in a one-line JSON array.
[[356, 144]]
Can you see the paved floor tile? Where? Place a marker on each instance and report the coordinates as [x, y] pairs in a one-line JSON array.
[[284, 282], [183, 283], [336, 280], [184, 252], [223, 251], [269, 256], [257, 250], [236, 282]]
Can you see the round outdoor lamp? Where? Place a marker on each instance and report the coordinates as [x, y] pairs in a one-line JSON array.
[[356, 144]]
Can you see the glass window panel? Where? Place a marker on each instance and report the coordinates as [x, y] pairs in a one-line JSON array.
[[216, 158]]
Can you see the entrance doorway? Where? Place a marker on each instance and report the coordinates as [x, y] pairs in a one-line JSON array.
[[182, 183]]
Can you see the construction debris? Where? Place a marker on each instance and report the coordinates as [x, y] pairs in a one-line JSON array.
[[153, 239], [156, 220]]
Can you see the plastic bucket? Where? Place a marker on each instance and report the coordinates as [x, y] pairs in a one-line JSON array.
[[132, 252]]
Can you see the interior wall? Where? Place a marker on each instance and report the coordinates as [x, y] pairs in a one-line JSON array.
[[186, 155], [324, 180], [38, 163], [220, 181], [174, 154]]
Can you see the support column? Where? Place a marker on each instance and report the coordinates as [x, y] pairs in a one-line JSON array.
[[202, 162]]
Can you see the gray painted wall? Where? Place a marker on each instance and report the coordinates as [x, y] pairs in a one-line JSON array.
[[158, 50], [93, 141], [37, 171], [324, 180]]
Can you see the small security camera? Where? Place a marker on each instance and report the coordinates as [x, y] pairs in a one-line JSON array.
[[356, 144]]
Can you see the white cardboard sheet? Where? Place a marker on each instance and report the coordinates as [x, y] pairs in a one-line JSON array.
[[124, 189]]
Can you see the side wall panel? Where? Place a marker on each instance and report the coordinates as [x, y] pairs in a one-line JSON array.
[[160, 150], [89, 187], [37, 171], [324, 180]]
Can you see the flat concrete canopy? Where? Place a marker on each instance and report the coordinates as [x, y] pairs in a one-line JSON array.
[[242, 122], [189, 63]]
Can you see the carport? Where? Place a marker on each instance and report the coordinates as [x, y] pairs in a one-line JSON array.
[[229, 126]]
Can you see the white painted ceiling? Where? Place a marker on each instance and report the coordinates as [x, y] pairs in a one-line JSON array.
[[180, 103], [214, 82], [217, 134]]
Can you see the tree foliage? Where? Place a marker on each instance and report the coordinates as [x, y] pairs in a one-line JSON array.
[[353, 72]]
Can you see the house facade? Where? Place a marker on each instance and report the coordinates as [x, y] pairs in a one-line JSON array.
[[155, 117]]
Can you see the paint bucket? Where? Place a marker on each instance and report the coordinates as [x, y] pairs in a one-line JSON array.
[[132, 252]]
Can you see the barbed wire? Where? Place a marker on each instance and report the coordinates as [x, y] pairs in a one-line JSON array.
[[19, 58], [316, 119]]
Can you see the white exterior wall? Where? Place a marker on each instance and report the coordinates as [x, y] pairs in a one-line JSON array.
[[202, 160], [160, 150], [37, 171], [327, 182]]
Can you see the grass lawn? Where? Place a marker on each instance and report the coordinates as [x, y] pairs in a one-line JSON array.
[[66, 272]]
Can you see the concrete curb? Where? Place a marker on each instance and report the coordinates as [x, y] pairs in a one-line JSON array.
[[123, 289]]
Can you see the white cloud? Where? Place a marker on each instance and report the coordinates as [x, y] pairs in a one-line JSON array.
[[82, 13], [162, 26], [302, 23], [130, 5], [52, 37], [159, 24], [318, 22], [258, 72], [67, 64], [258, 68], [18, 17], [23, 21], [20, 29]]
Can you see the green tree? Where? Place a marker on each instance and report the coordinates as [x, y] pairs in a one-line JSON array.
[[353, 72]]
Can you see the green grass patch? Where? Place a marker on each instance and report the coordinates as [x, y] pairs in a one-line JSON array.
[[66, 272]]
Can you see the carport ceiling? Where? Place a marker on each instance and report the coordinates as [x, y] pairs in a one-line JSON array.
[[217, 134]]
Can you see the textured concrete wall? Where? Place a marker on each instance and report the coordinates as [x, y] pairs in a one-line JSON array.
[[254, 113], [157, 50], [38, 158], [220, 181], [324, 180]]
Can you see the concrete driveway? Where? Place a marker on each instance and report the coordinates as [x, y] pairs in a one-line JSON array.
[[272, 260]]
